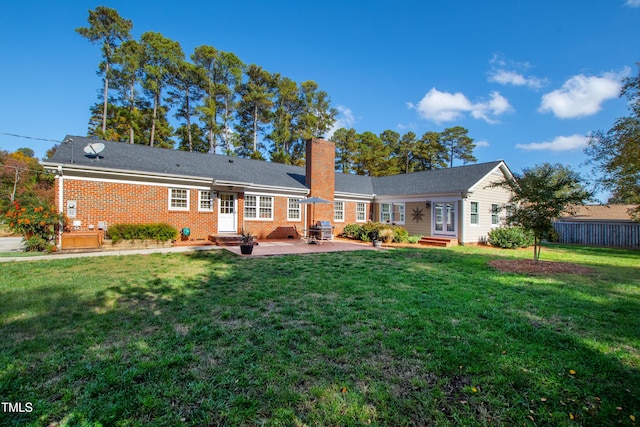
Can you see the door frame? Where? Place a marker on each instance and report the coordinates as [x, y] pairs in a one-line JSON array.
[[445, 223], [234, 227]]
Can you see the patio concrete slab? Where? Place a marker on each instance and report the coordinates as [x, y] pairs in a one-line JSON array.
[[264, 248], [296, 247]]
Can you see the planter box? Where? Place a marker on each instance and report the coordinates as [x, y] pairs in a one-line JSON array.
[[82, 240]]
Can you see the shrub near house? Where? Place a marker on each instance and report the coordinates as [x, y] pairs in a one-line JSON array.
[[376, 231], [38, 224], [511, 237], [158, 232]]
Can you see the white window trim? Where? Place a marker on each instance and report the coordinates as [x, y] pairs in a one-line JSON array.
[[495, 214], [382, 212], [289, 209], [200, 200], [170, 197], [391, 211], [257, 207], [364, 212], [476, 213], [342, 205]]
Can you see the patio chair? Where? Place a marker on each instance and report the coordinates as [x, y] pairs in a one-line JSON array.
[[303, 235]]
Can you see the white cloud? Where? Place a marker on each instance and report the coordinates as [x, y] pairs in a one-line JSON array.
[[496, 106], [442, 107], [482, 143], [513, 78], [632, 3], [582, 95], [345, 119], [510, 73], [561, 143]]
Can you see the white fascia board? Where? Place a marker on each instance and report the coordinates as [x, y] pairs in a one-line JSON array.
[[266, 188], [252, 192], [419, 197], [67, 169], [169, 179], [174, 184], [354, 196], [502, 166]]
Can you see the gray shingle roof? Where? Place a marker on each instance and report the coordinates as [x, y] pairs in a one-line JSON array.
[[161, 161], [452, 180], [354, 184]]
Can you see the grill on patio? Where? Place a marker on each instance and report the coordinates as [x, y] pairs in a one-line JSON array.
[[322, 230]]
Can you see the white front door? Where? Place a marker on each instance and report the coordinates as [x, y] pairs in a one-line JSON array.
[[227, 213], [445, 218]]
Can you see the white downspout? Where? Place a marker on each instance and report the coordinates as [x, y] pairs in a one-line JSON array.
[[60, 178]]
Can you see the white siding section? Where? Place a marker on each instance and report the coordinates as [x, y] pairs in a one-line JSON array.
[[485, 197]]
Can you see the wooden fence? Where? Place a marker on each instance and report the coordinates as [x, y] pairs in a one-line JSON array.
[[617, 235]]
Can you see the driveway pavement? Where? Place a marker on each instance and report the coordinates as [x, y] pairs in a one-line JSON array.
[[10, 244]]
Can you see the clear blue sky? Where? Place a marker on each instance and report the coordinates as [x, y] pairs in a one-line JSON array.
[[528, 79]]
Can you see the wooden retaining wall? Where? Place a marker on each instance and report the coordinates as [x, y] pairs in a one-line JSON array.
[[618, 235]]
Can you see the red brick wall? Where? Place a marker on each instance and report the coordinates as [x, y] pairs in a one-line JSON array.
[[350, 216], [115, 202], [279, 227], [320, 176], [118, 203]]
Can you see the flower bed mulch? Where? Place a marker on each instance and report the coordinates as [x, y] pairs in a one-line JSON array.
[[527, 266]]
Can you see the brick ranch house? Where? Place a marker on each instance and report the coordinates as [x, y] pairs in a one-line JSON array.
[[214, 194]]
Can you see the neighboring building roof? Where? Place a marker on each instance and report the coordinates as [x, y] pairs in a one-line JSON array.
[[440, 181], [118, 156], [600, 213]]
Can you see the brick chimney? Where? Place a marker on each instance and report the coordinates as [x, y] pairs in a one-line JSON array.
[[320, 177]]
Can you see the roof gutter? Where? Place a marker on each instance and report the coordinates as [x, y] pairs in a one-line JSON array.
[[60, 168]]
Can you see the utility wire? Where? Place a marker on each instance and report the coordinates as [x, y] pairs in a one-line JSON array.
[[22, 169], [30, 137]]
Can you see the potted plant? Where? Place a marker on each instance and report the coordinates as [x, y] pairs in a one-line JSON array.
[[246, 243], [374, 238]]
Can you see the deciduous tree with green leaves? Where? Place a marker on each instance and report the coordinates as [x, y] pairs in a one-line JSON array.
[[616, 152], [23, 179], [106, 26], [539, 195]]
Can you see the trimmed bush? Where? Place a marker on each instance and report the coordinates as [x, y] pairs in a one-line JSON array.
[[510, 237], [400, 235], [159, 232], [386, 235], [352, 231], [414, 239], [375, 231]]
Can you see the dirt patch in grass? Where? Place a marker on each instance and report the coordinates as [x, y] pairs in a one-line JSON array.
[[527, 266]]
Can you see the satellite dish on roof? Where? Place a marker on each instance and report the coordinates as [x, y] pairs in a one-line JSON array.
[[94, 149]]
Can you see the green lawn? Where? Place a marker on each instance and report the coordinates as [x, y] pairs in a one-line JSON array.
[[396, 337]]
